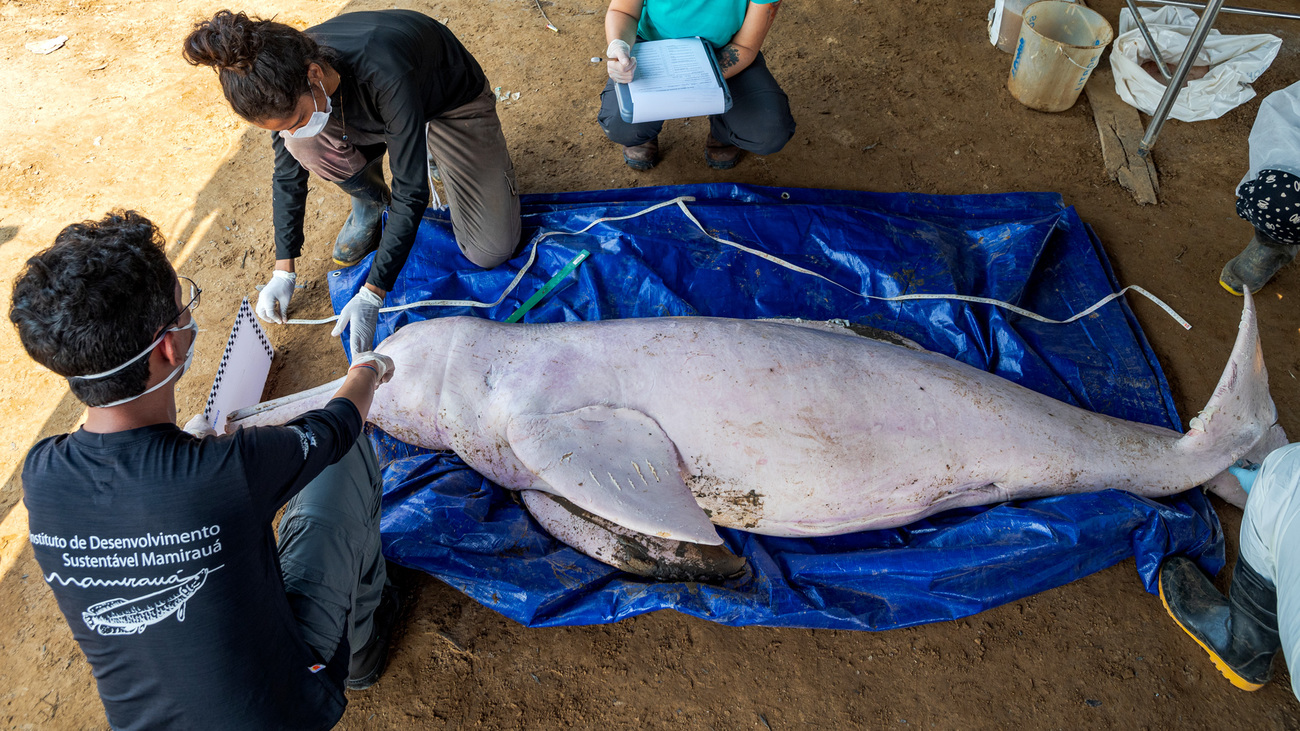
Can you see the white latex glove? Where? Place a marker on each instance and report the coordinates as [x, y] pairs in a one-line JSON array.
[[273, 301], [362, 313], [199, 426], [621, 65], [382, 364]]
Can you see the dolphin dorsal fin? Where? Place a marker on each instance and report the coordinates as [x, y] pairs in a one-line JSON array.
[[617, 463]]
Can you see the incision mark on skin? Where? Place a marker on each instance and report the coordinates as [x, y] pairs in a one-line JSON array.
[[653, 471], [593, 477], [637, 467], [615, 480]]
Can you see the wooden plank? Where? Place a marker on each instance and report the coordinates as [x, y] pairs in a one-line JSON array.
[[1121, 131]]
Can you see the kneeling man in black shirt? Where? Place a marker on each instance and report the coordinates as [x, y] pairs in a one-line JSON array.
[[157, 541]]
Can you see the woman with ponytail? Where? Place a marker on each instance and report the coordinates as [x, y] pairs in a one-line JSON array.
[[335, 98]]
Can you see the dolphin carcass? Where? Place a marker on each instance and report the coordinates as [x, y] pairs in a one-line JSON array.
[[631, 439]]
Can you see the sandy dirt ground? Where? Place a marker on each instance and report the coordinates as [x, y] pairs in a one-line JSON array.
[[889, 96]]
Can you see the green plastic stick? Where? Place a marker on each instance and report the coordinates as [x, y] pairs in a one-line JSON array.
[[546, 288]]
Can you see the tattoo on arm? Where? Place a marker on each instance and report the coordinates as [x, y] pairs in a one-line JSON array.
[[771, 11], [728, 56]]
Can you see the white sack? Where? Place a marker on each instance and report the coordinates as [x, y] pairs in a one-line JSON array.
[[1234, 61]]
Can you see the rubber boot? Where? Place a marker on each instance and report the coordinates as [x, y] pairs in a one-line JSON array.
[[1252, 268], [360, 233], [1239, 632]]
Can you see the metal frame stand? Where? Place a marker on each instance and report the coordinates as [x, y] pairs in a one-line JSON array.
[[1209, 13], [1151, 44], [1228, 9], [1175, 84]]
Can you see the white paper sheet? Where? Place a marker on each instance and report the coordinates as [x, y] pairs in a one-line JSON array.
[[241, 376], [674, 79]]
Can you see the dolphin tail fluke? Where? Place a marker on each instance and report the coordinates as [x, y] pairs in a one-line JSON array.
[[283, 409], [1241, 411]]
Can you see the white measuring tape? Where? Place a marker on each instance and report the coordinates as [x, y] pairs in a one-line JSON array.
[[681, 201]]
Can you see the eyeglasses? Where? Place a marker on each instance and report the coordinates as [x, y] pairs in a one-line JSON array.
[[195, 293]]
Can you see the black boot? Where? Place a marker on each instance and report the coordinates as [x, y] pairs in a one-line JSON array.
[[368, 663], [360, 233], [1239, 632], [1257, 264]]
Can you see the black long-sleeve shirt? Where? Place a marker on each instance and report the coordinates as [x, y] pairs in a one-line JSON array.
[[399, 69], [160, 552]]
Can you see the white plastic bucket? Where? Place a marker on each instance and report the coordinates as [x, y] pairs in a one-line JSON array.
[[1004, 23], [1060, 43]]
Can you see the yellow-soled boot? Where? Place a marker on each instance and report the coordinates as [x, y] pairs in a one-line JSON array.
[[1239, 631], [1254, 266]]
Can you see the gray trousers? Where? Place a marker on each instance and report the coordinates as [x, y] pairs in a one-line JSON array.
[[1270, 543], [334, 572], [470, 150], [759, 120]]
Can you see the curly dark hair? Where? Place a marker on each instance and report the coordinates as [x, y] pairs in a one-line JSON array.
[[262, 64], [94, 300]]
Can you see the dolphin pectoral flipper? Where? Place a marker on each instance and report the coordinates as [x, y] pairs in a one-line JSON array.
[[637, 553], [616, 463]]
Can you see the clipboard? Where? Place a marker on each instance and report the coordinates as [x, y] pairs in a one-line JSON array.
[[627, 108]]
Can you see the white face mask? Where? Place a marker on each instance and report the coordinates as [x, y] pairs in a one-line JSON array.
[[177, 372], [318, 119]]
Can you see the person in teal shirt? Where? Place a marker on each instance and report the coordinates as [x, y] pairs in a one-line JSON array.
[[759, 120]]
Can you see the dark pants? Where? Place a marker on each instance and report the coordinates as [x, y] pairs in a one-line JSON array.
[[759, 120], [330, 555], [470, 150]]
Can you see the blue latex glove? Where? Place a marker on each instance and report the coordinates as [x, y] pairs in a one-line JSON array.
[[362, 313], [1245, 474]]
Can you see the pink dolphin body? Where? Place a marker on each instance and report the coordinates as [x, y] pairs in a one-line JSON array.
[[632, 438]]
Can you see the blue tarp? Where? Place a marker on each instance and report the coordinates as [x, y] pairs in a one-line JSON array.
[[1025, 248]]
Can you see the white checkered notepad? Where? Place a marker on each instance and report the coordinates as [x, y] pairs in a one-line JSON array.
[[241, 376]]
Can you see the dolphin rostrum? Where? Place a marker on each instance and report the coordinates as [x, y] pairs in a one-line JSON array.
[[632, 439]]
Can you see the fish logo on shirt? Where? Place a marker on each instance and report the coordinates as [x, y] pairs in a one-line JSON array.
[[132, 616]]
